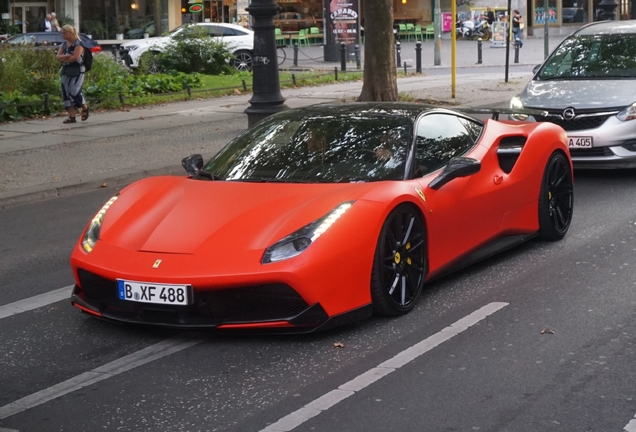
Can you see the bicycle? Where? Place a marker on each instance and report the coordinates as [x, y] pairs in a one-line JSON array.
[[282, 55]]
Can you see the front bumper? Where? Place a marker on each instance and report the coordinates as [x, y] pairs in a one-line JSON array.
[[613, 140], [275, 308]]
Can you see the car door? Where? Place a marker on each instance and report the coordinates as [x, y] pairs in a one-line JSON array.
[[466, 212]]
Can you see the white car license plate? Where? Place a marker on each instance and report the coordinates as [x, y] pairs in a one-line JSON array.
[[146, 292], [580, 142]]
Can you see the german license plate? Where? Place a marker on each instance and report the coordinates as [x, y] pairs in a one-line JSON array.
[[580, 142], [147, 292]]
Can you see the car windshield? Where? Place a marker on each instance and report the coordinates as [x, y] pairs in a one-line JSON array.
[[301, 147], [592, 56]]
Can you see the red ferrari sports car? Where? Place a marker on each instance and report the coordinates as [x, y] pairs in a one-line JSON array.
[[322, 215]]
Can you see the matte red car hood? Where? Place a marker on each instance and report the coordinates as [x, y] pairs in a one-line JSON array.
[[185, 216]]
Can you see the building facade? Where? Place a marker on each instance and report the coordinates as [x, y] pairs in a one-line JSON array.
[[111, 19]]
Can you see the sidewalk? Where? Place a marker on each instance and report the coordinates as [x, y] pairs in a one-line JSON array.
[[42, 159]]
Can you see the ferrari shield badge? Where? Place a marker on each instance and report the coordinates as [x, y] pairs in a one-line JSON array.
[[156, 264], [420, 193]]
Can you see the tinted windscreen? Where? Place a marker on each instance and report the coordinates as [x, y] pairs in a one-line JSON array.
[[593, 56], [326, 149]]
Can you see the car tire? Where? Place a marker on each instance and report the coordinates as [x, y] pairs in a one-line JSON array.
[[400, 262], [243, 61], [556, 198]]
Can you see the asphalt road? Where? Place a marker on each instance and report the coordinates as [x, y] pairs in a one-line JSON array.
[[555, 353]]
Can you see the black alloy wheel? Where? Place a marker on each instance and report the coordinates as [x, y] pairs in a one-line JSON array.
[[556, 198], [400, 262]]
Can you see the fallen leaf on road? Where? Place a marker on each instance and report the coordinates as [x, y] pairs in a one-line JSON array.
[[104, 185], [55, 178], [141, 118], [338, 345], [237, 91], [547, 330]]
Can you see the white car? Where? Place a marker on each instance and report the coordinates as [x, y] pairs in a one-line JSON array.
[[239, 40]]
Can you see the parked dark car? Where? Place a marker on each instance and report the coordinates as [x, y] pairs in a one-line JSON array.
[[49, 40]]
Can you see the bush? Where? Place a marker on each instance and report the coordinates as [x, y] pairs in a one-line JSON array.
[[193, 50], [30, 71]]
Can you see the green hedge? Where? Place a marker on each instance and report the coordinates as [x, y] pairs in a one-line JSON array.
[[28, 74]]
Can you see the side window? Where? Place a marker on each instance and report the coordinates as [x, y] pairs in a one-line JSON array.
[[214, 31], [17, 40], [228, 32], [441, 137]]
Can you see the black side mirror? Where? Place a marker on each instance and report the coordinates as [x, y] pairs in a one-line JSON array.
[[192, 164], [457, 167]]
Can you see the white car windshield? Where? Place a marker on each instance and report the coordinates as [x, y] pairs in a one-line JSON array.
[[601, 56]]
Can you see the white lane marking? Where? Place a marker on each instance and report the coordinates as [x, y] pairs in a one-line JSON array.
[[631, 426], [35, 302], [364, 380], [126, 363], [8, 430]]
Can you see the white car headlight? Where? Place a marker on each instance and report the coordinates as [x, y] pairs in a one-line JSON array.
[[131, 47], [92, 233], [295, 243], [628, 113], [515, 103]]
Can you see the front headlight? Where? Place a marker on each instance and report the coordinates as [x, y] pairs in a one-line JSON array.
[[515, 103], [131, 47], [92, 233], [628, 113], [295, 243]]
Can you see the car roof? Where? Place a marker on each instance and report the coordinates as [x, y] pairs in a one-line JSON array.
[[228, 25], [82, 35], [607, 27]]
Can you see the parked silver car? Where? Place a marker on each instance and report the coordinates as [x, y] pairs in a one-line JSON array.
[[588, 87]]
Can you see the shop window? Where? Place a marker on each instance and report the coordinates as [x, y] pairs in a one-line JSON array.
[[540, 14], [574, 11]]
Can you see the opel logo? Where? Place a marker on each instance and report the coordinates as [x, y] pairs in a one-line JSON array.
[[568, 113]]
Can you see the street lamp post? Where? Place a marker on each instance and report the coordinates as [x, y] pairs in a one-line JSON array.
[[266, 99]]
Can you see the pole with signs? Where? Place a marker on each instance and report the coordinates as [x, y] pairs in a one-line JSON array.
[[508, 33], [341, 24], [453, 45], [546, 26], [438, 34], [267, 98]]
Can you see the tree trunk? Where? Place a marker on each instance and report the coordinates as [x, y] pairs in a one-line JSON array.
[[380, 77]]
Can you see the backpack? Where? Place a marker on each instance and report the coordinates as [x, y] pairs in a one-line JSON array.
[[88, 57]]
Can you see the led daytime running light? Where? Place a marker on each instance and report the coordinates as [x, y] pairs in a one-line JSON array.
[[92, 233], [329, 220]]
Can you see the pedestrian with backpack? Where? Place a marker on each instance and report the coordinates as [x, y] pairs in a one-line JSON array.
[[71, 54]]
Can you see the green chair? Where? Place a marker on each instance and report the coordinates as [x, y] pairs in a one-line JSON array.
[[301, 37], [314, 35], [429, 31], [418, 32], [280, 39], [410, 31], [402, 31]]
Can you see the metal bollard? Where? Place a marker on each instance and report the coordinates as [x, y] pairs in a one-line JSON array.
[[343, 56], [517, 45], [296, 54], [418, 57], [335, 71], [479, 51], [405, 68], [358, 62], [398, 53]]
